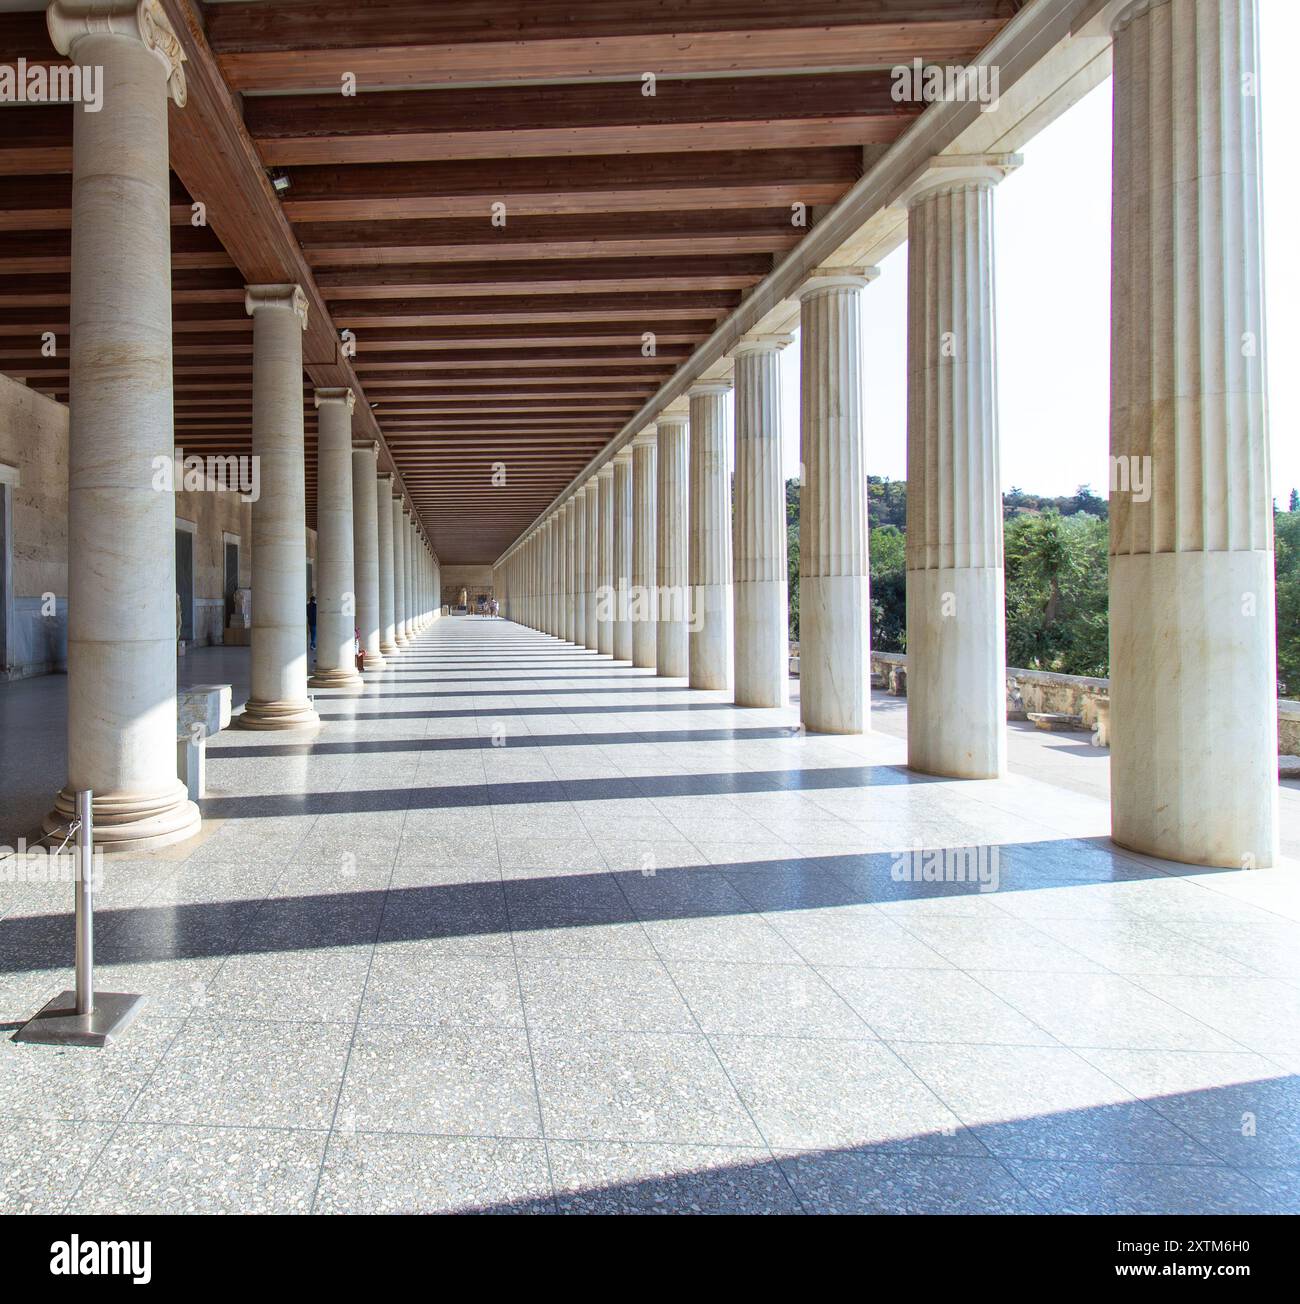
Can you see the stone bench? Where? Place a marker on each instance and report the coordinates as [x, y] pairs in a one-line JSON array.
[[201, 711]]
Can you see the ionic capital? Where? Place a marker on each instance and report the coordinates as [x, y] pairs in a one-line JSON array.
[[291, 297], [958, 171], [341, 395], [69, 21], [823, 279]]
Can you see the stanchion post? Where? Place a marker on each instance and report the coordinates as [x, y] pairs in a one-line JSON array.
[[83, 1016]]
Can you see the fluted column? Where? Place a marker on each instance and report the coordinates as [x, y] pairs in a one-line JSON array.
[[121, 547], [578, 509], [591, 628], [834, 603], [762, 629], [956, 635], [709, 550], [336, 593], [606, 597], [279, 639], [562, 543], [400, 636], [365, 550], [672, 438], [622, 555], [388, 644], [643, 599], [552, 576], [1192, 641], [412, 588]]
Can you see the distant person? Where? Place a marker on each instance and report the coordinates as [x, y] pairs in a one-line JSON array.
[[496, 607], [311, 620]]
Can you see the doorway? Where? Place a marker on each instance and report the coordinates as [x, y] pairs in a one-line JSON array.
[[185, 578]]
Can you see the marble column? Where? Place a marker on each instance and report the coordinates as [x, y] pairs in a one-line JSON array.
[[365, 550], [643, 595], [279, 670], [956, 634], [672, 440], [412, 590], [565, 545], [709, 550], [121, 546], [762, 628], [834, 603], [550, 625], [1193, 718], [388, 645], [336, 592], [579, 513], [605, 596], [400, 636], [622, 563], [591, 629]]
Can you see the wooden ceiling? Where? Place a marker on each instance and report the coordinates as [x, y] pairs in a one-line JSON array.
[[499, 215]]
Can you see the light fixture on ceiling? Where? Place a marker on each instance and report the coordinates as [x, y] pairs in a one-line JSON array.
[[279, 180]]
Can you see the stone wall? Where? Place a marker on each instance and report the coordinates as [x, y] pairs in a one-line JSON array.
[[34, 469], [1038, 690], [473, 579], [34, 477]]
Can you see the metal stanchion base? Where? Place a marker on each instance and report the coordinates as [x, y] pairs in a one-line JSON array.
[[59, 1024]]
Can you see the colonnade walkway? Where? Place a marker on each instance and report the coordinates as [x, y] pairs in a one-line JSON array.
[[521, 928]]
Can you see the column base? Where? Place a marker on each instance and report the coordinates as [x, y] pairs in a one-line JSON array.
[[130, 822], [956, 673], [401, 640], [762, 649], [371, 661], [389, 649], [340, 678], [1193, 708], [276, 715], [834, 653]]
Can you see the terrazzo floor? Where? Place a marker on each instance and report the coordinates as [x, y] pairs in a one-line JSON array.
[[522, 929]]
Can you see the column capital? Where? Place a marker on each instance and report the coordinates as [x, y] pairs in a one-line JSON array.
[[592, 485], [644, 439], [623, 457], [290, 297], [336, 395], [1129, 12], [761, 344], [366, 446], [821, 279], [68, 21], [957, 171], [606, 472], [703, 388]]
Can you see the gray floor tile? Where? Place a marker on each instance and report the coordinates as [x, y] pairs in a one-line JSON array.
[[387, 1173], [419, 983], [621, 1178], [166, 1169], [452, 1081], [637, 1086], [42, 1162], [597, 995]]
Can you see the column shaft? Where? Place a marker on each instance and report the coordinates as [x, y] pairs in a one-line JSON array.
[[1192, 638], [956, 634], [709, 560], [336, 593], [279, 639], [834, 604], [579, 510], [591, 628], [121, 522], [671, 526], [605, 596], [388, 645], [762, 652], [365, 551], [643, 597], [622, 499], [400, 636]]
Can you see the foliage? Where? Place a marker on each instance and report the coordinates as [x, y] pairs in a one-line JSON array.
[[1286, 533]]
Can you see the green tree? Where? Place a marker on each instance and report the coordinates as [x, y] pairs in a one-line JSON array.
[[888, 560], [1286, 534]]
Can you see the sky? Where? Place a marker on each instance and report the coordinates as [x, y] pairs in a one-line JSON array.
[[1052, 292]]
